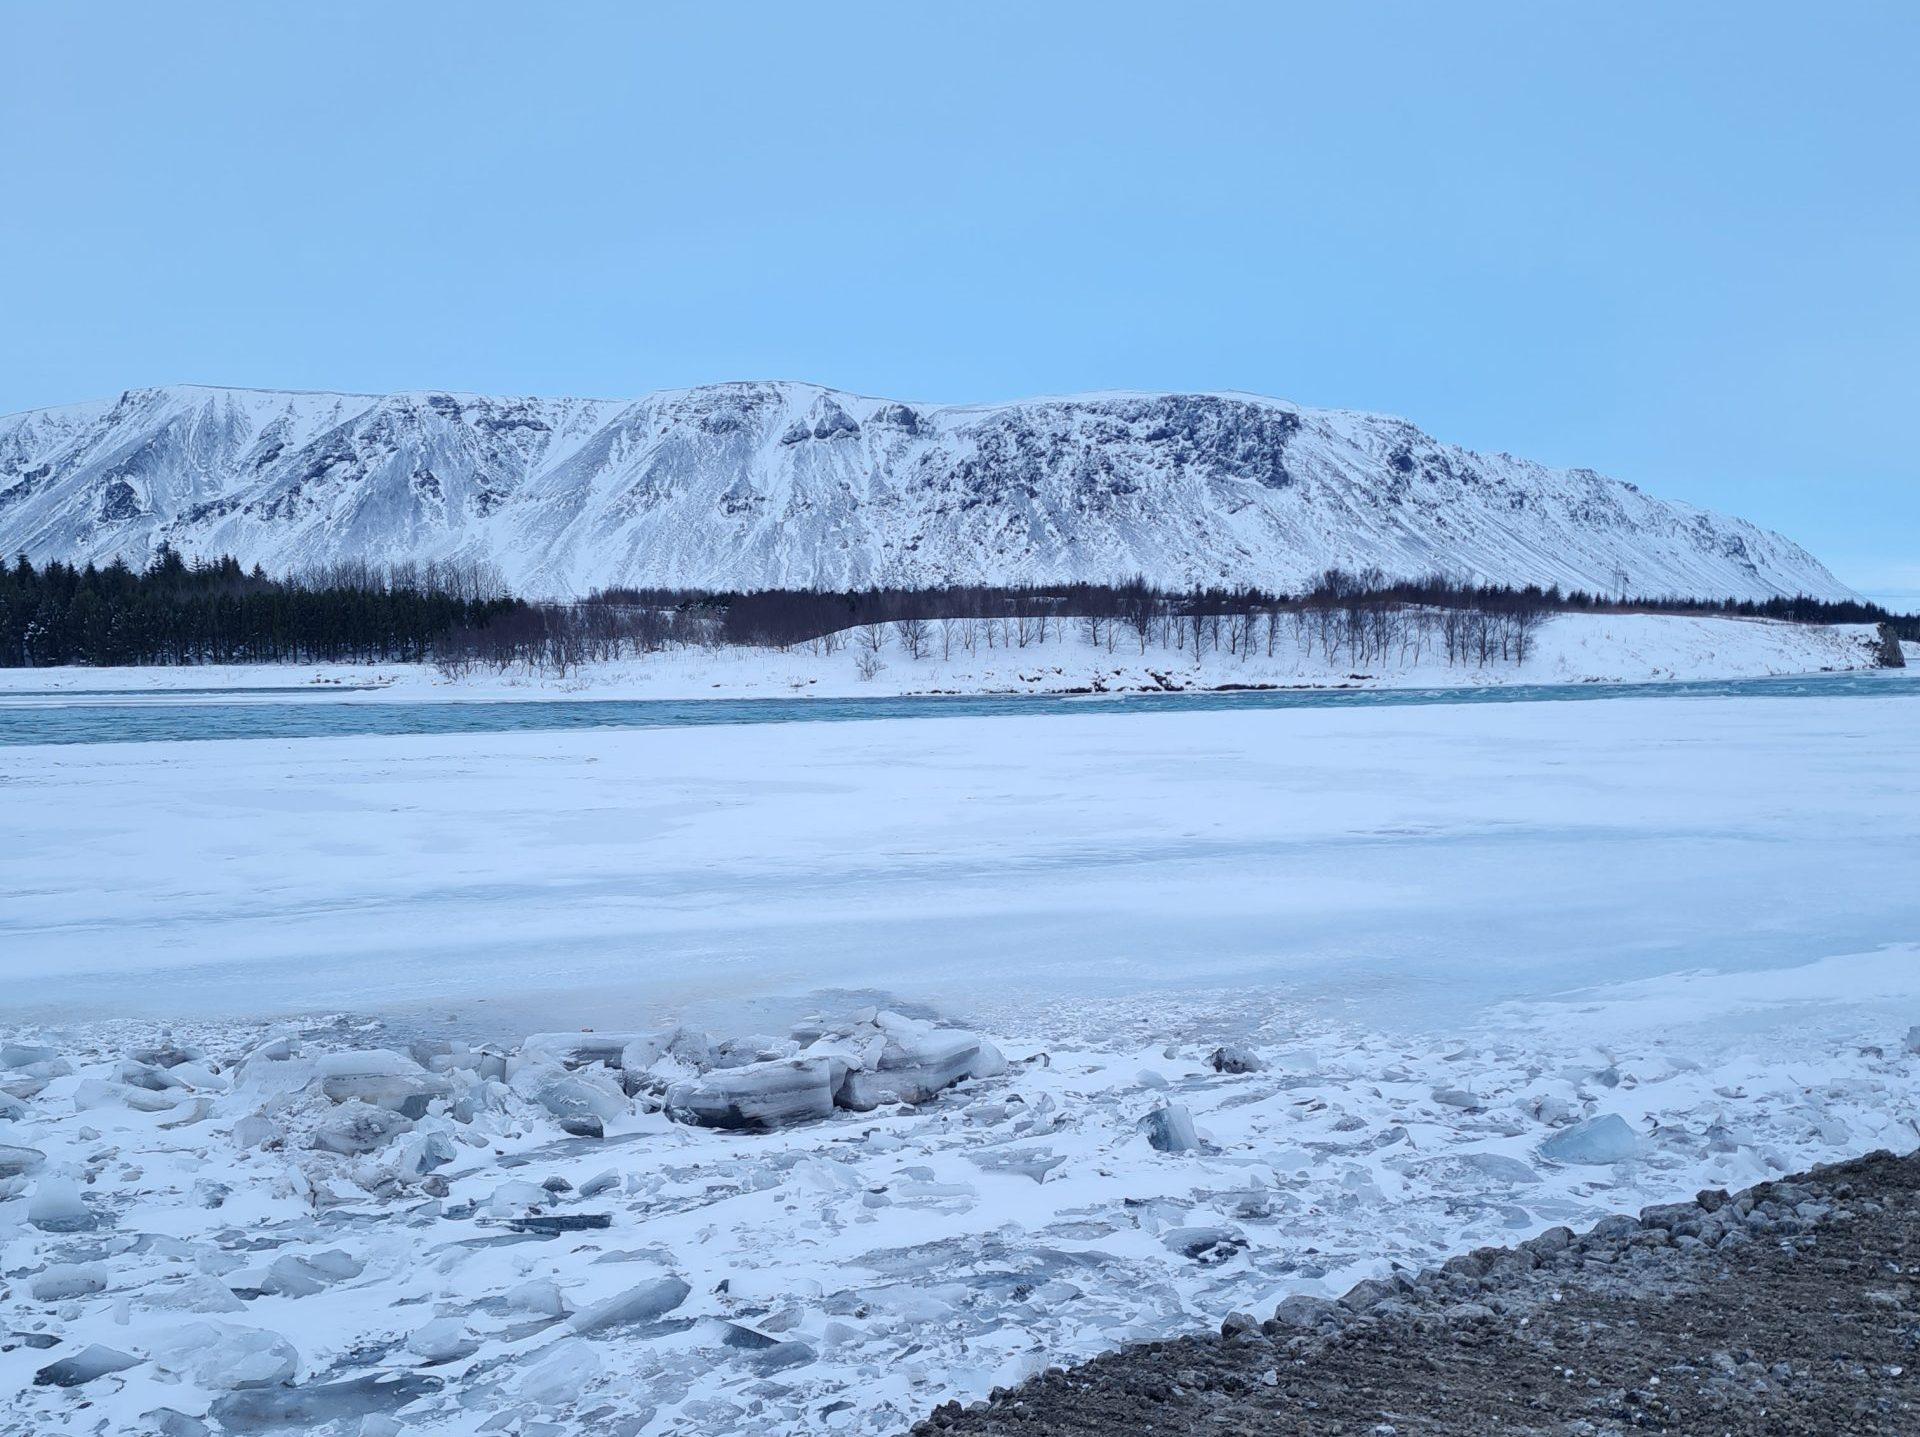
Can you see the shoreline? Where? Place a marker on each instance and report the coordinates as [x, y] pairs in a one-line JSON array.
[[1572, 649], [1782, 1308]]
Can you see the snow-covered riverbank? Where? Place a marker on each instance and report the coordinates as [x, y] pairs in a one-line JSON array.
[[1570, 648], [255, 1226]]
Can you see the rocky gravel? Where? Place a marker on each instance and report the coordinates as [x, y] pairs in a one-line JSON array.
[[1790, 1308]]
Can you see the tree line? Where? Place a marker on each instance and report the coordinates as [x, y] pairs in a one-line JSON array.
[[1360, 619], [461, 617], [177, 612]]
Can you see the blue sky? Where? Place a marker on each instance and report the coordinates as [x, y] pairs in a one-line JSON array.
[[1679, 244]]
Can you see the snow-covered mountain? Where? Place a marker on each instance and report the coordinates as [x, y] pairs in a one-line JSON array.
[[751, 485]]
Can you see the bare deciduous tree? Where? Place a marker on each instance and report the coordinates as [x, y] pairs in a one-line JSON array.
[[913, 636]]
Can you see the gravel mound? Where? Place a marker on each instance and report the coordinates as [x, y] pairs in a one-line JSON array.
[[1790, 1308]]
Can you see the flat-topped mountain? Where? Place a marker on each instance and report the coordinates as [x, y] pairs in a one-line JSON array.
[[762, 484]]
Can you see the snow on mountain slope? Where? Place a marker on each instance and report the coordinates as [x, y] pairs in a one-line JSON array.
[[751, 485]]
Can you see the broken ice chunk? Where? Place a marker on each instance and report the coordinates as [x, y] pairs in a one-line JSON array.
[[515, 1196], [380, 1077], [275, 1049], [255, 1131], [912, 1063], [62, 1281], [643, 1303], [195, 1292], [295, 1276], [1033, 1163], [769, 1356], [84, 1366], [1234, 1059], [583, 1102], [444, 1339], [136, 1074], [358, 1127], [227, 1358], [1204, 1245], [18, 1162], [34, 1076], [1169, 1129], [166, 1054], [97, 1093], [690, 1046], [535, 1296], [576, 1050], [642, 1053], [185, 1115], [1500, 1167], [561, 1375], [1553, 1111], [989, 1063], [436, 1055], [1605, 1139], [599, 1183], [759, 1096], [420, 1152], [56, 1206], [168, 1422], [317, 1405], [753, 1048], [200, 1077], [555, 1224]]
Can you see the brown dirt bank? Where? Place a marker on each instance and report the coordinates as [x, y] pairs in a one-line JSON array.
[[1790, 1308]]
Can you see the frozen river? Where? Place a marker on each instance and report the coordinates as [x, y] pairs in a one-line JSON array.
[[1422, 856], [148, 715]]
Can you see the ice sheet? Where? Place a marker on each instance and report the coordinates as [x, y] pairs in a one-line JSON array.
[[1423, 860]]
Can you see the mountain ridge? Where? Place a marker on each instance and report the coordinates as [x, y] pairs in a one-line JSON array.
[[762, 483]]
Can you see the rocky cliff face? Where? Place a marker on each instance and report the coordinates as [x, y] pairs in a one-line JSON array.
[[751, 485]]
